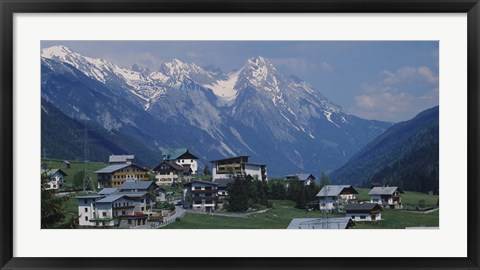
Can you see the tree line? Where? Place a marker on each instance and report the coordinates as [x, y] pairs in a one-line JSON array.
[[245, 193]]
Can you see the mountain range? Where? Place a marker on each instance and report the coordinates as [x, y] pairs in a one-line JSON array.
[[277, 119]]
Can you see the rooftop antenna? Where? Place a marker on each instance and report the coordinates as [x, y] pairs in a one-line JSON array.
[[87, 181]]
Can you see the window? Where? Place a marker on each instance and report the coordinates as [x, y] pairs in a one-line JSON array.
[[86, 210], [143, 200], [208, 202], [85, 201], [191, 160], [123, 213], [129, 221], [104, 214], [362, 217], [86, 218], [143, 208]]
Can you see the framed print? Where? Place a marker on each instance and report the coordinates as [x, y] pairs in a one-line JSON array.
[[200, 134]]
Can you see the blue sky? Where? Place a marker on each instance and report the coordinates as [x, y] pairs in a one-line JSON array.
[[383, 80]]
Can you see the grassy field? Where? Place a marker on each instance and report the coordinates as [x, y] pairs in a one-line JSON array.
[[283, 212], [398, 219], [410, 199], [75, 167]]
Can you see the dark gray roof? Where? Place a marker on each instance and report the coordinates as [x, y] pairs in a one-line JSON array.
[[113, 168], [383, 190], [111, 198], [320, 223], [223, 182], [93, 196], [107, 191], [334, 190], [51, 172], [361, 207], [136, 185], [201, 182], [133, 194], [301, 176]]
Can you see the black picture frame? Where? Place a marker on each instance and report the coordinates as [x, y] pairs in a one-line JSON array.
[[10, 7]]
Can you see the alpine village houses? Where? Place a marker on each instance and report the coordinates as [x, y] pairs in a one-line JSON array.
[[333, 198], [239, 165], [388, 197], [120, 170]]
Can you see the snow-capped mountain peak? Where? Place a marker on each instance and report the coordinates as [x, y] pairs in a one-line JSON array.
[[57, 52]]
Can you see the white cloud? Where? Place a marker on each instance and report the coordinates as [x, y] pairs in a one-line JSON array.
[[410, 75], [399, 95]]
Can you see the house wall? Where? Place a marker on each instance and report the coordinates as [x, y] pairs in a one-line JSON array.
[[85, 204], [55, 181], [386, 202], [122, 207], [368, 217], [327, 203], [253, 170], [165, 179], [117, 178], [200, 201], [192, 162]]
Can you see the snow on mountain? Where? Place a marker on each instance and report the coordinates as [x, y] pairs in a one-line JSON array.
[[225, 89]]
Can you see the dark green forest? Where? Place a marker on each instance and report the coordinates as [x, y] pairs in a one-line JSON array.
[[406, 155]]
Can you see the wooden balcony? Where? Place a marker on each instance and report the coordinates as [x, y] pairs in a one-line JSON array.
[[123, 207], [210, 198], [200, 191]]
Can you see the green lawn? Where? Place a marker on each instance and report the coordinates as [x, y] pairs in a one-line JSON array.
[[75, 167], [277, 218], [398, 219], [283, 212], [410, 199]]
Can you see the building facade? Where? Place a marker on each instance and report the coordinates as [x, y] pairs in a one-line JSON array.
[[115, 175], [229, 167], [200, 195], [387, 197], [182, 157], [169, 172], [54, 178], [364, 212], [333, 198]]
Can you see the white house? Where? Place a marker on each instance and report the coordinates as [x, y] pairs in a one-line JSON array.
[[363, 211], [55, 178], [200, 195], [128, 206], [228, 167], [387, 197], [335, 197], [182, 157]]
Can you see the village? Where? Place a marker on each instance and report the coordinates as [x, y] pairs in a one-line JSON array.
[[129, 198]]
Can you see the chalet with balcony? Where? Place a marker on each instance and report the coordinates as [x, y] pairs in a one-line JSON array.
[[54, 178], [387, 197], [110, 210], [333, 198], [364, 211], [114, 176], [305, 178], [169, 172], [233, 166], [200, 195], [182, 157]]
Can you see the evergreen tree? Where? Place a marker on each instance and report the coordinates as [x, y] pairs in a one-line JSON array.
[[237, 196], [301, 201], [324, 180], [206, 170], [53, 214]]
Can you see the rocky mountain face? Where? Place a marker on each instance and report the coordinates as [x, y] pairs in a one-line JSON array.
[[278, 120]]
